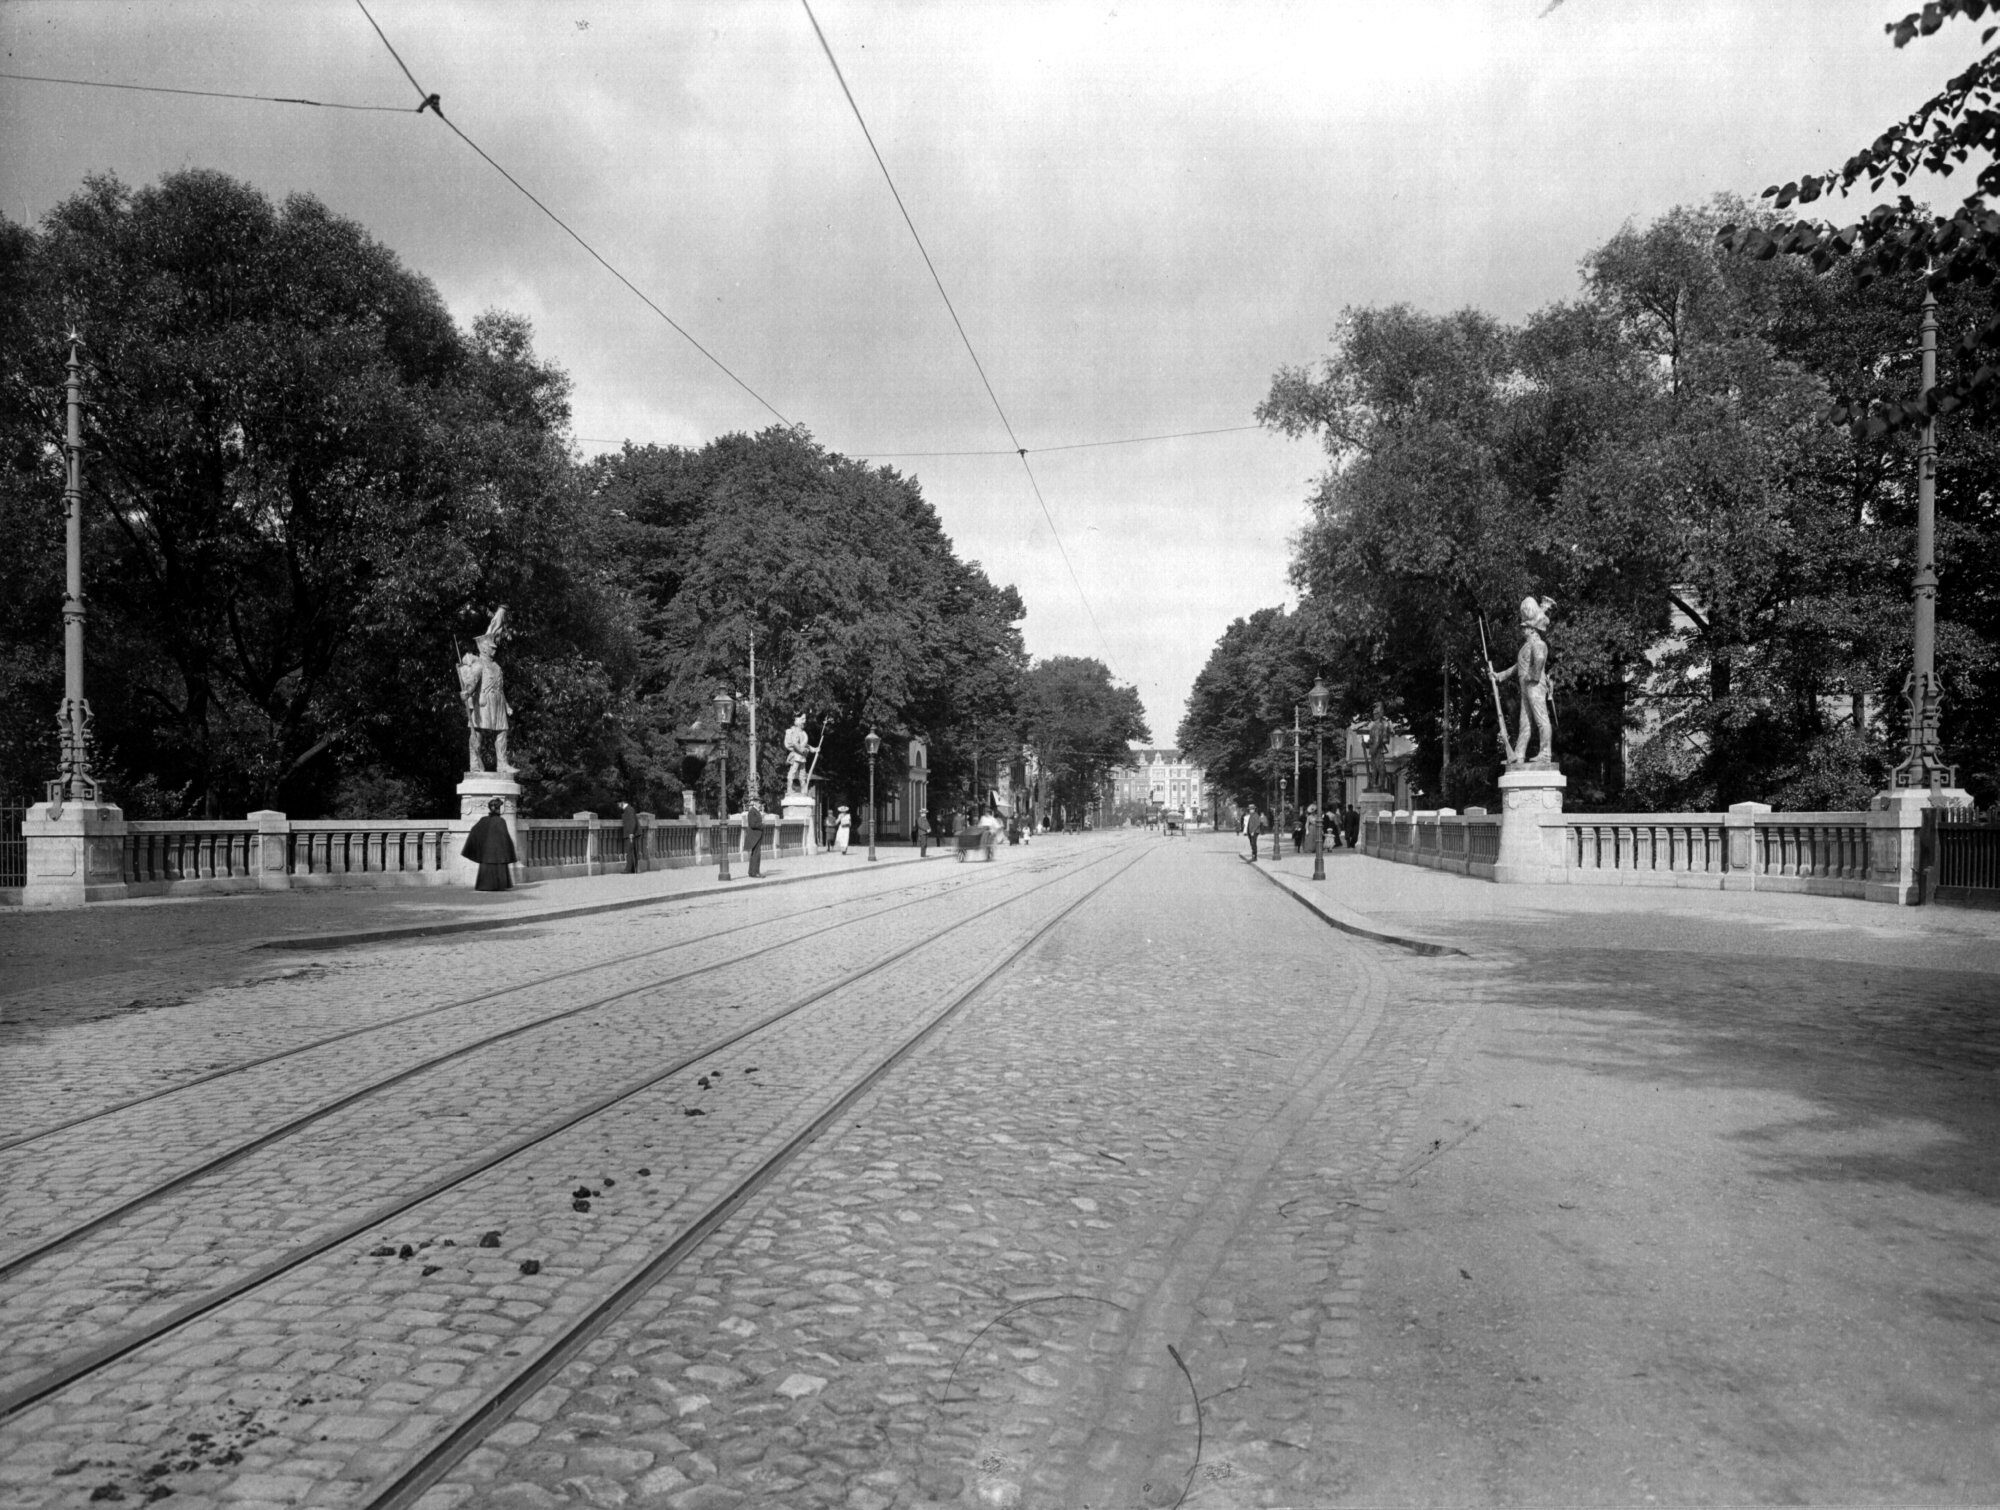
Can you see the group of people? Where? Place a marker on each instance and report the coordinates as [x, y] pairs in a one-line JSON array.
[[1343, 826], [491, 846]]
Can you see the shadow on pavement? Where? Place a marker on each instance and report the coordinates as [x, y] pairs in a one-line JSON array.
[[1897, 1064]]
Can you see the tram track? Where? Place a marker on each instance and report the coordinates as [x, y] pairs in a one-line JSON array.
[[82, 1365], [15, 1263], [499, 1403], [83, 1119]]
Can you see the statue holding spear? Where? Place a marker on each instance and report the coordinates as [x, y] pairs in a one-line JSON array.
[[1531, 672], [798, 775]]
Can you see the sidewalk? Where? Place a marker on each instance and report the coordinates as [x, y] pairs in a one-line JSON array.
[[206, 937], [1700, 1210], [1414, 902]]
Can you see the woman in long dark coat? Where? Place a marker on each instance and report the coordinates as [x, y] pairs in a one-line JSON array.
[[491, 847]]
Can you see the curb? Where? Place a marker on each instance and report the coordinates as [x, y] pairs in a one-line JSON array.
[[1350, 922], [515, 920]]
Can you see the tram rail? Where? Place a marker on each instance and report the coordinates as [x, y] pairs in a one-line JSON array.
[[82, 1119], [80, 1366], [500, 1402]]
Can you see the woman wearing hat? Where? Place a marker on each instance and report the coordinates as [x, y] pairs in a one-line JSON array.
[[491, 848]]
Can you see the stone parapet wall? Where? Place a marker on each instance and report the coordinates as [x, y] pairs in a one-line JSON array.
[[97, 854], [1873, 855]]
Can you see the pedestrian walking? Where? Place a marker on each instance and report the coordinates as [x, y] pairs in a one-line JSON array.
[[842, 826], [1253, 825], [753, 835], [1351, 821], [628, 817], [1300, 819], [923, 835], [491, 848]]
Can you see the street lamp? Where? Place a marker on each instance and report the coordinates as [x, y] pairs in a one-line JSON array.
[[1277, 786], [725, 715], [874, 745], [1316, 700], [1923, 766]]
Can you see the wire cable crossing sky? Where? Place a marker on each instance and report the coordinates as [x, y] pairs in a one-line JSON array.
[[431, 102], [1146, 212], [957, 324]]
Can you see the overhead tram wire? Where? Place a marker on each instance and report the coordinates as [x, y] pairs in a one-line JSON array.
[[432, 104], [1019, 449], [1081, 445], [207, 94]]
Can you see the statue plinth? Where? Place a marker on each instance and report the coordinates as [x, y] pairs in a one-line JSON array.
[[1531, 828], [474, 793], [1895, 829], [76, 854], [1371, 801], [798, 807]]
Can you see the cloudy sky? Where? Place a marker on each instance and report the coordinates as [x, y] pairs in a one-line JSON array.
[[1140, 212]]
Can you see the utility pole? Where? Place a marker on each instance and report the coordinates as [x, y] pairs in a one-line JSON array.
[[750, 781]]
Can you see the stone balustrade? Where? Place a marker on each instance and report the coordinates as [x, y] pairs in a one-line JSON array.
[[1873, 855], [95, 854], [1467, 844]]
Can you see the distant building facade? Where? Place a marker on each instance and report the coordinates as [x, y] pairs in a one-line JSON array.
[[1156, 776]]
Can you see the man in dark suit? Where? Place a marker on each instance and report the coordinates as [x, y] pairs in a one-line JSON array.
[[628, 818], [753, 835]]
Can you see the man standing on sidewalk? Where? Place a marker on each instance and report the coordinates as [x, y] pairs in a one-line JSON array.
[[1253, 825], [753, 835], [628, 818]]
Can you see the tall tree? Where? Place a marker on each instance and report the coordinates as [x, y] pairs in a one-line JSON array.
[[1946, 132], [841, 575], [1651, 455], [303, 479], [1258, 669], [1078, 723]]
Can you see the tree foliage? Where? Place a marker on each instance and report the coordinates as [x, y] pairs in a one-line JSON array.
[[303, 479], [1078, 722], [1729, 571], [840, 574], [308, 486], [1259, 669], [1904, 238]]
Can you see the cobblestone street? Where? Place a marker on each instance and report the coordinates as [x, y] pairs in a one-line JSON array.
[[1102, 1176]]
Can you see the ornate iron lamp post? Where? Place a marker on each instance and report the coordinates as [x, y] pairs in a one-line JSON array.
[[1923, 765], [1277, 787], [74, 783], [874, 745], [725, 715], [1317, 700]]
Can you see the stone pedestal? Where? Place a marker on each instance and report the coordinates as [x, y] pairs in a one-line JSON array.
[[272, 860], [478, 789], [1895, 830], [1530, 848], [798, 808], [1375, 802], [75, 858]]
